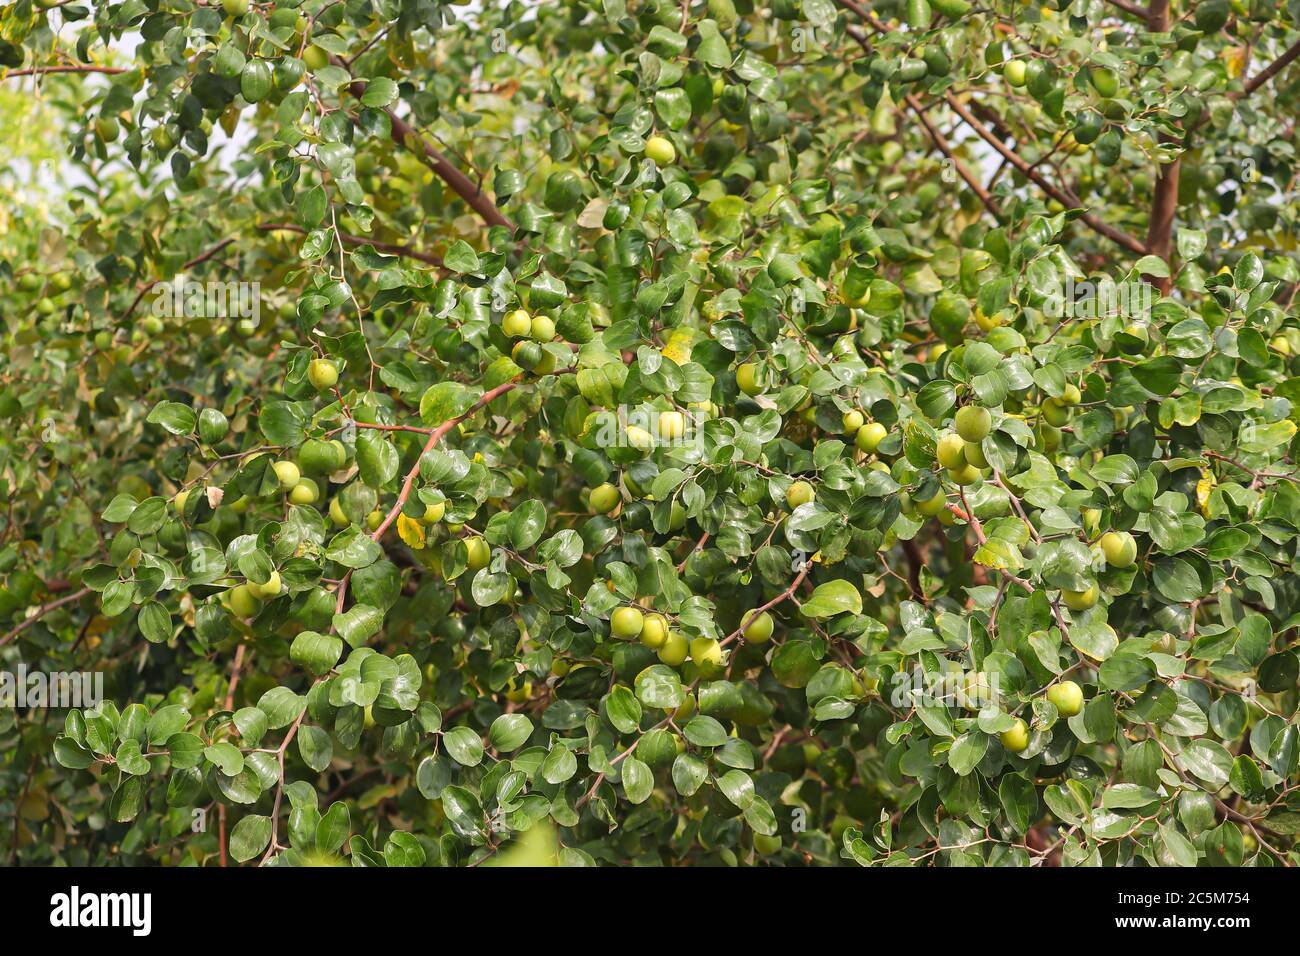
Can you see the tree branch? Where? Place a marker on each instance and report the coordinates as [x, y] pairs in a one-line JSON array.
[[783, 596], [79, 68], [1273, 69], [1164, 206], [1117, 236], [405, 136], [43, 610], [392, 248], [1127, 7]]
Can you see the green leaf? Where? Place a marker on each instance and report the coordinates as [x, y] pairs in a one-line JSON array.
[[831, 598]]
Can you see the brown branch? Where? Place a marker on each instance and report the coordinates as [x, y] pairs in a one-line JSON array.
[[1273, 69], [405, 136], [976, 187], [1164, 206], [1127, 7], [783, 596], [392, 248], [1117, 236], [434, 437], [143, 288], [41, 612], [79, 68]]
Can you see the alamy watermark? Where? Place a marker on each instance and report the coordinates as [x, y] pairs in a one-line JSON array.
[[188, 298], [73, 909], [58, 689], [1100, 298], [973, 690]]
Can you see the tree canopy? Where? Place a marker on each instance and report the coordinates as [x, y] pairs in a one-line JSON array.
[[631, 431]]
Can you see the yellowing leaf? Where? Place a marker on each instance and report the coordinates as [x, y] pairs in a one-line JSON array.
[[410, 531]]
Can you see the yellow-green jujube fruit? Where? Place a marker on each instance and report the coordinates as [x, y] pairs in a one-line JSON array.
[[950, 450], [518, 691], [270, 589], [374, 519], [706, 652], [479, 553], [975, 692], [1080, 600], [626, 623], [337, 514], [759, 629], [870, 436], [305, 492], [243, 602], [1055, 414], [288, 474], [852, 420], [1067, 697], [542, 328], [933, 506], [799, 493], [1120, 549], [973, 422], [640, 439], [660, 151], [674, 650], [964, 476], [316, 58], [974, 453], [747, 379], [517, 324], [1016, 739], [322, 373], [654, 631], [180, 499], [672, 425], [433, 513], [604, 499]]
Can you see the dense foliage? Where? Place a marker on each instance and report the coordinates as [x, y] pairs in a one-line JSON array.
[[660, 432]]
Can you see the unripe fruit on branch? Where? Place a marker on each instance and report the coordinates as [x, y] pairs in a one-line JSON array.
[[1017, 738], [1067, 697], [973, 422], [1119, 548], [626, 623]]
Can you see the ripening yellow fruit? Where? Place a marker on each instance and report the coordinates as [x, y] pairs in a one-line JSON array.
[[660, 151], [1080, 600], [674, 650], [870, 436], [479, 553], [626, 622], [1067, 696], [950, 450], [517, 324], [706, 652], [672, 425], [799, 493], [654, 631], [747, 379], [288, 474], [270, 589], [759, 629], [1017, 738], [604, 499]]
